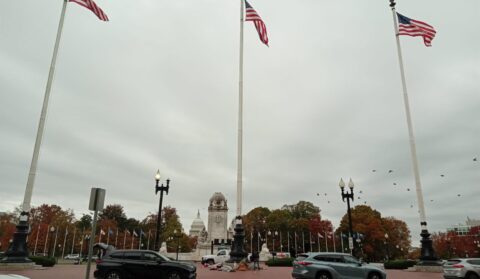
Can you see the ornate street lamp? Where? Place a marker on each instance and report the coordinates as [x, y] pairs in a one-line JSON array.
[[161, 189], [52, 231], [386, 246], [348, 196]]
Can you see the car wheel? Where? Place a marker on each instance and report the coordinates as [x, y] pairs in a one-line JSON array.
[[323, 275], [472, 276], [210, 262], [374, 276], [174, 275], [113, 275]]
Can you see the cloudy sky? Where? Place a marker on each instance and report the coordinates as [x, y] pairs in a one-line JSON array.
[[157, 88]]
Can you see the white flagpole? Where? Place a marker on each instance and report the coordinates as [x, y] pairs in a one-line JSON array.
[[318, 239], [288, 241], [73, 240], [334, 240], [281, 243], [36, 241], [46, 240], [303, 242], [41, 125], [55, 243], [140, 240], [148, 240], [413, 149], [310, 239], [133, 237], [240, 117], [295, 244], [326, 242], [64, 242]]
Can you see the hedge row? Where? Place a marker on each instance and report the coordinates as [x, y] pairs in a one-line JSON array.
[[399, 264], [43, 261], [279, 262]]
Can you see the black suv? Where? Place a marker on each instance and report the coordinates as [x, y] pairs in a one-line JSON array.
[[145, 264]]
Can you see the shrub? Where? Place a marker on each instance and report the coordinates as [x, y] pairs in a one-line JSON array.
[[399, 264], [43, 261], [279, 262]]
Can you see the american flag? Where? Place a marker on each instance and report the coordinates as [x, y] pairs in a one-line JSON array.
[[414, 28], [89, 4], [251, 15]]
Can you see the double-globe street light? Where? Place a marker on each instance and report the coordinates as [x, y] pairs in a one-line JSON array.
[[161, 189], [348, 195]]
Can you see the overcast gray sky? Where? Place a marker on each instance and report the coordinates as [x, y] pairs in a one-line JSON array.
[[157, 88]]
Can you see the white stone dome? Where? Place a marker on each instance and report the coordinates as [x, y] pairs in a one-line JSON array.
[[197, 226]]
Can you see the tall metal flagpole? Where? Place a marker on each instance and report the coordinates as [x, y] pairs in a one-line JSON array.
[[427, 253], [18, 251], [238, 252], [240, 117]]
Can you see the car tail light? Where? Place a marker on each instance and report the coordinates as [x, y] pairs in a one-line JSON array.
[[304, 263], [458, 266], [97, 261]]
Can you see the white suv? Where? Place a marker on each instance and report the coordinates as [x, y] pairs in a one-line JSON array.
[[72, 257], [462, 268]]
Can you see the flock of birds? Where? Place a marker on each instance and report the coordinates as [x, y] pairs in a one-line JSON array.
[[360, 192]]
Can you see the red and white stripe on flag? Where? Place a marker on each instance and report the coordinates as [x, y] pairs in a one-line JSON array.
[[252, 15], [89, 4], [414, 28]]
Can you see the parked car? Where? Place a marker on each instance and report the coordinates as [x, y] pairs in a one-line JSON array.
[[145, 264], [72, 257], [12, 276], [221, 256], [333, 266], [468, 268]]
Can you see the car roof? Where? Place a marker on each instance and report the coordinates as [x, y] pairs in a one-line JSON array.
[[327, 254]]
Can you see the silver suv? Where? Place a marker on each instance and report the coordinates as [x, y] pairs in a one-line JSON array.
[[334, 266], [462, 268]]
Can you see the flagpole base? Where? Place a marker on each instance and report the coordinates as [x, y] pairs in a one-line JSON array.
[[238, 252], [18, 251], [427, 254]]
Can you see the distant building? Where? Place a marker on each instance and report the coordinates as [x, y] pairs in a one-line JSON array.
[[464, 229], [197, 226]]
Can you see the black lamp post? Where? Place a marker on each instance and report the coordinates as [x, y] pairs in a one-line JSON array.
[[348, 196], [386, 246], [50, 250], [161, 189], [177, 235]]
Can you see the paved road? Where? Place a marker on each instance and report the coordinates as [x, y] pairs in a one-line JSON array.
[[78, 272]]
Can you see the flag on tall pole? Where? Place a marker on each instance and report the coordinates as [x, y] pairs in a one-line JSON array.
[[89, 4], [415, 28], [252, 15], [427, 251]]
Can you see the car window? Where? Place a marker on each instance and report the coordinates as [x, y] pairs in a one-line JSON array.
[[132, 255], [150, 257], [452, 262], [301, 257], [221, 253], [350, 259], [475, 262], [322, 258], [116, 256]]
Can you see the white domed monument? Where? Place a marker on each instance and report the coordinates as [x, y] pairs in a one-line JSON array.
[[197, 226]]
